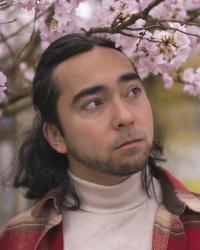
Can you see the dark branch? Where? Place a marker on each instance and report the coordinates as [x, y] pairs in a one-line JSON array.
[[11, 21], [124, 24], [27, 44]]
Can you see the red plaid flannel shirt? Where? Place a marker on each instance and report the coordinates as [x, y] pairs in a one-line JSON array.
[[176, 226]]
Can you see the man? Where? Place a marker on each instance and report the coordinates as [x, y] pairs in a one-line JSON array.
[[91, 161]]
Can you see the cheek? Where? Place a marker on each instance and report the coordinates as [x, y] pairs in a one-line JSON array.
[[147, 119], [84, 133]]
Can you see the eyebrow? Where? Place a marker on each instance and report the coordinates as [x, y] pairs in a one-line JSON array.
[[88, 91], [128, 77], [101, 88]]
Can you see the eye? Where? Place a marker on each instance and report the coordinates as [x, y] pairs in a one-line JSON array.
[[134, 91], [93, 104]]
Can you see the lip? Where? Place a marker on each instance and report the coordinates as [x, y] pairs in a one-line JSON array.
[[129, 144]]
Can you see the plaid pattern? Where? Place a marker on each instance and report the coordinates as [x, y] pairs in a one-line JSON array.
[[176, 226]]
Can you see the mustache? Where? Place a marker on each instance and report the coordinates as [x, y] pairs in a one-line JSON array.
[[127, 137]]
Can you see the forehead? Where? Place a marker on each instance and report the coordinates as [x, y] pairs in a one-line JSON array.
[[99, 65]]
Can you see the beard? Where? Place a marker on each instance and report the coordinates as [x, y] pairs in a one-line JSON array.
[[132, 161]]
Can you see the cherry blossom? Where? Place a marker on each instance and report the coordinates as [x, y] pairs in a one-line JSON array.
[[195, 44], [38, 5], [64, 21], [123, 9], [167, 52], [192, 81], [159, 43], [168, 81], [170, 10], [157, 51]]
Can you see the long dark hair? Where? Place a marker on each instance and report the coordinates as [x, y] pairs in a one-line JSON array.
[[40, 168]]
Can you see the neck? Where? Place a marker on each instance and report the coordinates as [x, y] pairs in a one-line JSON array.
[[91, 175], [98, 198]]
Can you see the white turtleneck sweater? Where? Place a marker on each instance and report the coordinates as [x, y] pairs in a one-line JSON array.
[[118, 217]]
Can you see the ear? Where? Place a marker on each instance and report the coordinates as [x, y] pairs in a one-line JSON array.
[[54, 138]]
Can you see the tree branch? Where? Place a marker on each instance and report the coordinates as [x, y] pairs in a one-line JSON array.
[[11, 21], [7, 45], [27, 44], [4, 5], [123, 25], [157, 26], [177, 21]]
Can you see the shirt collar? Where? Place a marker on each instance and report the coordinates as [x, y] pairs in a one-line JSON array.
[[175, 197], [49, 208], [96, 198]]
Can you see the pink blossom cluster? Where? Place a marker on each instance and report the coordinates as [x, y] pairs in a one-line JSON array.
[[37, 5], [63, 21], [153, 50], [112, 10], [191, 78], [3, 80], [163, 52], [174, 9]]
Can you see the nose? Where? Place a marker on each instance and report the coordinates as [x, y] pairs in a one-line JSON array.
[[122, 115]]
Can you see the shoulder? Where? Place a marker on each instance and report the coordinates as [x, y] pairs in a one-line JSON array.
[[191, 213], [22, 220], [175, 196], [190, 219], [22, 229], [25, 229], [18, 220]]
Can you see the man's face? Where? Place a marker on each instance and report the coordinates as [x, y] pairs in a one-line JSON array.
[[105, 114]]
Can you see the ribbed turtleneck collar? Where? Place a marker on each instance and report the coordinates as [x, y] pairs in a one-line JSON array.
[[97, 198]]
